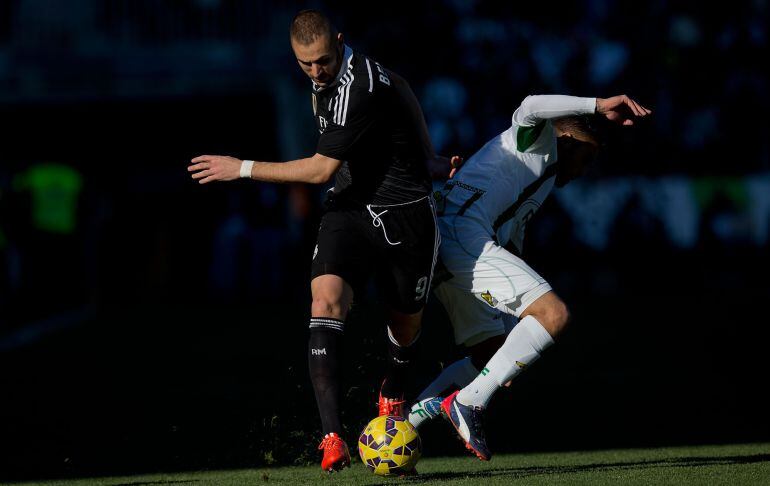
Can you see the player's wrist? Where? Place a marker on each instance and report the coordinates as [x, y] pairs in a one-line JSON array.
[[245, 171], [596, 103]]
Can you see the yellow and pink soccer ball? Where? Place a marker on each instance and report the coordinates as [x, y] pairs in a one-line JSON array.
[[389, 445]]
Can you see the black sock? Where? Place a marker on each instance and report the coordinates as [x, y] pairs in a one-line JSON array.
[[401, 361], [325, 334]]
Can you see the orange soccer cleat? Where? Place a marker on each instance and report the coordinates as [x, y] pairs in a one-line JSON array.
[[336, 454], [390, 406]]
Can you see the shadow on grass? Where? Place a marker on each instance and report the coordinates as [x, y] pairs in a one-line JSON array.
[[523, 472], [171, 481]]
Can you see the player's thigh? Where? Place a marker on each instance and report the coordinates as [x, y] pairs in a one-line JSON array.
[[342, 249], [472, 320], [405, 287], [332, 296], [405, 270], [504, 281]]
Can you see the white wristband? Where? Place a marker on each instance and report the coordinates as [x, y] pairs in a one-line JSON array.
[[246, 166]]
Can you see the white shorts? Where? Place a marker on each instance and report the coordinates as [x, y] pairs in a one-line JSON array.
[[488, 285]]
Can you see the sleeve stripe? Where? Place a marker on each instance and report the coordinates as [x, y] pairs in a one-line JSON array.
[[371, 80], [343, 96], [347, 99], [338, 102], [336, 118]]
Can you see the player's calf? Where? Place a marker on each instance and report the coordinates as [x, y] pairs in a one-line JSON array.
[[401, 356]]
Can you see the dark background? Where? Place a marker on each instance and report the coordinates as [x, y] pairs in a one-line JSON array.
[[149, 323]]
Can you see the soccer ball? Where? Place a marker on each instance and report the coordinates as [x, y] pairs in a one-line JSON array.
[[389, 445]]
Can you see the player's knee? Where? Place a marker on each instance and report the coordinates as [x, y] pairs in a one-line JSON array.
[[558, 317], [552, 314], [325, 307], [404, 332]]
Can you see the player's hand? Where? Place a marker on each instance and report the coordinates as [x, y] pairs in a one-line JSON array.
[[621, 109], [208, 168], [455, 162], [438, 165]]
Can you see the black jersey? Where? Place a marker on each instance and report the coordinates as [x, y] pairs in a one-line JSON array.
[[366, 123]]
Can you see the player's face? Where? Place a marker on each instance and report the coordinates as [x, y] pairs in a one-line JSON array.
[[575, 156], [320, 59]]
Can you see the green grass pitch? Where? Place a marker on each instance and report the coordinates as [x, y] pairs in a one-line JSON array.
[[742, 464]]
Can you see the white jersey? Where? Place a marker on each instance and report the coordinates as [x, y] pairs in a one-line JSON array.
[[502, 185]]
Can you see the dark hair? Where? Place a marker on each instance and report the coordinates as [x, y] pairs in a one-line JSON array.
[[583, 126], [309, 25]]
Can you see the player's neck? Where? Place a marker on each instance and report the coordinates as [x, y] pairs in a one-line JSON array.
[[347, 53]]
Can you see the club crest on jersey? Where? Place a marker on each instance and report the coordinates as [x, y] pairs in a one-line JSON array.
[[488, 298]]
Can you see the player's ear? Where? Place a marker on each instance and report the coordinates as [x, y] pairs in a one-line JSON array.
[[340, 40]]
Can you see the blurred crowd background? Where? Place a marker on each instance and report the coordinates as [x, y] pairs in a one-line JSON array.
[[147, 322]]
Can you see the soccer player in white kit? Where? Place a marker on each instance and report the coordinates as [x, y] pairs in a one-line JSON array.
[[484, 210]]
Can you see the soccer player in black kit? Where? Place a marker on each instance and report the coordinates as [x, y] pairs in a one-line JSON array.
[[379, 219]]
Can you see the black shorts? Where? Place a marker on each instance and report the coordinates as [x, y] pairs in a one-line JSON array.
[[397, 244]]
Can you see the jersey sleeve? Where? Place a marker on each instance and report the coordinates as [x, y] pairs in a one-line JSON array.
[[353, 114], [532, 116]]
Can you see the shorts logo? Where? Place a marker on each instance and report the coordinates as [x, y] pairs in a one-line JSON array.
[[521, 365], [422, 287], [318, 352], [488, 298]]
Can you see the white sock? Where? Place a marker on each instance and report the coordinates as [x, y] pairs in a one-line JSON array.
[[459, 373], [521, 348]]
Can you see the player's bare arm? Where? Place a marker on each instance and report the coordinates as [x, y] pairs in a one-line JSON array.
[[621, 109], [317, 169]]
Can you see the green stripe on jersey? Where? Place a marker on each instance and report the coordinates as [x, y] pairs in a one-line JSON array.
[[526, 136]]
